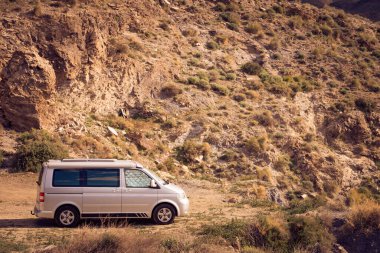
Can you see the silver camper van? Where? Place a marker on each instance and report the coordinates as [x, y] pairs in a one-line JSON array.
[[71, 189]]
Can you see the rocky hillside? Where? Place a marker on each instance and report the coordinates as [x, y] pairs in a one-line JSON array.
[[279, 95], [366, 8]]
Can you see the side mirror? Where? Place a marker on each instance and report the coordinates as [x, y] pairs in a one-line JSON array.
[[153, 184]]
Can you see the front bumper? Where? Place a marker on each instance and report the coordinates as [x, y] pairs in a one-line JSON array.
[[184, 207]]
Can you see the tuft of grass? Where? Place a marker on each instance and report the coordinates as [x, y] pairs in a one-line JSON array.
[[254, 28], [212, 45], [37, 10]]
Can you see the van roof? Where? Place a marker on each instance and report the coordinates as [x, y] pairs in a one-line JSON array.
[[91, 163]]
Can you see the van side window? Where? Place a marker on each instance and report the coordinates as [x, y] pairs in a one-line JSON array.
[[66, 178], [102, 178], [136, 179]]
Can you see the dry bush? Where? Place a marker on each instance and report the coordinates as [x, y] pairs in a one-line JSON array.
[[191, 150], [254, 28], [170, 90], [366, 217], [265, 119], [110, 240], [362, 231], [265, 175], [37, 10], [255, 145]]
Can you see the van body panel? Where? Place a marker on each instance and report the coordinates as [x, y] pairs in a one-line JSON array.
[[104, 188], [101, 200], [139, 200]]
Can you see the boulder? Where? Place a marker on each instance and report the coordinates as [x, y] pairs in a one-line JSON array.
[[27, 83]]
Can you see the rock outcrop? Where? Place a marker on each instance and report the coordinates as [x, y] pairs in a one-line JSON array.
[[27, 84]]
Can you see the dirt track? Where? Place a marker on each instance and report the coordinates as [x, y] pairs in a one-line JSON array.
[[17, 196]]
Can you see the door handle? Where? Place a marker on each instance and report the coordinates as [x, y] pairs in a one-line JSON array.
[[127, 190], [116, 190]]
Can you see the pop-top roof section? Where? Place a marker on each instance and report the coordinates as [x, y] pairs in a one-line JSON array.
[[88, 160], [91, 163]]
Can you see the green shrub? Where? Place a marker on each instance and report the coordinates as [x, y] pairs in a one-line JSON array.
[[311, 234], [36, 147], [251, 68]]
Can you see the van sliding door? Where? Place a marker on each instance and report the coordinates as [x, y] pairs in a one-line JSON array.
[[101, 193]]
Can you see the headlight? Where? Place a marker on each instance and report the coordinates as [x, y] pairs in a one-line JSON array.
[[181, 195]]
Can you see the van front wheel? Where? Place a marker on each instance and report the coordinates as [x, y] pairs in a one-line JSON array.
[[163, 214], [67, 216]]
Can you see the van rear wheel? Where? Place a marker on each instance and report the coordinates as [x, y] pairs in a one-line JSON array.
[[163, 214], [67, 216]]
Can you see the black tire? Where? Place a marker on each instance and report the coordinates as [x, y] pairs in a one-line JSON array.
[[67, 216], [164, 214]]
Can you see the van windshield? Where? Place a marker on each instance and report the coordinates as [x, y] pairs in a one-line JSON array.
[[156, 177]]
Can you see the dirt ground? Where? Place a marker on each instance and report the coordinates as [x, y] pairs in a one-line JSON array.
[[208, 204]]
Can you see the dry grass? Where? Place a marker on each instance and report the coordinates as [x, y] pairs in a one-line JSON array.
[[365, 217], [110, 240]]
